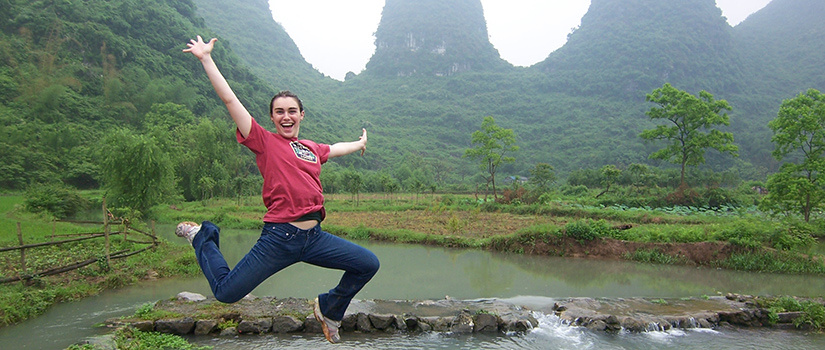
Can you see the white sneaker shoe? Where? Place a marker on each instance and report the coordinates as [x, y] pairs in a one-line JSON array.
[[188, 230], [329, 327]]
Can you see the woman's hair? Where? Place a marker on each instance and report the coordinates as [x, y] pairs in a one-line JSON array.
[[286, 93]]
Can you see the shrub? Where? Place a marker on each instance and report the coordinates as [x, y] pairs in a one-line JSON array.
[[57, 200], [797, 236], [577, 190], [587, 230]]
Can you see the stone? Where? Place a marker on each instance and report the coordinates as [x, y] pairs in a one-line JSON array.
[[204, 327], [176, 326], [485, 323], [382, 322], [188, 296], [144, 326], [463, 323], [311, 325], [286, 324], [789, 317], [255, 326], [350, 322], [363, 323], [229, 332], [597, 325]]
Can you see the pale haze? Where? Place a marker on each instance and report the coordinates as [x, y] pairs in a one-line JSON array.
[[337, 36]]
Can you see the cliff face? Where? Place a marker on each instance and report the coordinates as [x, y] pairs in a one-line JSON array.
[[432, 38]]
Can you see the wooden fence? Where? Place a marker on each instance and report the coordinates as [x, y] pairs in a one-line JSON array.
[[56, 239]]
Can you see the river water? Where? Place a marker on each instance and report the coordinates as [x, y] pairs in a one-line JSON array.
[[419, 272]]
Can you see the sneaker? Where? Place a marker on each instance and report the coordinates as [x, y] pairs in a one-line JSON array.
[[330, 327], [188, 230]]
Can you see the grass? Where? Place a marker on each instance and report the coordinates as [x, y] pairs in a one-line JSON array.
[[30, 298], [655, 256]]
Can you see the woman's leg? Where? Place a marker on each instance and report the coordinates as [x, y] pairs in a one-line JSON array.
[[359, 265], [274, 251]]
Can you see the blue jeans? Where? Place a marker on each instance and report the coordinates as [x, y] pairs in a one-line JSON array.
[[280, 246]]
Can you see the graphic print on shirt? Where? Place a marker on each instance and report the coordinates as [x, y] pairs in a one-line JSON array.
[[303, 153]]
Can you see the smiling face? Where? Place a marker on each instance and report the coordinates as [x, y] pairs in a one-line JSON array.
[[286, 113]]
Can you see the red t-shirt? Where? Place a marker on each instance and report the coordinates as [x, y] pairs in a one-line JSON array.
[[291, 170]]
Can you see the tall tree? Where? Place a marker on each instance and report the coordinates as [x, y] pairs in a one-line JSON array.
[[799, 134], [493, 143], [136, 172], [690, 128], [542, 176]]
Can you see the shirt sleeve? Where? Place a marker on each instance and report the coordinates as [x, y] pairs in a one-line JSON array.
[[254, 140]]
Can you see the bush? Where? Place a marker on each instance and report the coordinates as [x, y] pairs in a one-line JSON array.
[[587, 230], [573, 191], [57, 200], [797, 236]]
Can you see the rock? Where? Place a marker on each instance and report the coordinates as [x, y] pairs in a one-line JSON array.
[[204, 327], [789, 317], [363, 324], [463, 323], [144, 326], [188, 296], [255, 326], [485, 323], [633, 325], [229, 332], [151, 275], [350, 322], [311, 325], [178, 326], [597, 325], [286, 324], [382, 322]]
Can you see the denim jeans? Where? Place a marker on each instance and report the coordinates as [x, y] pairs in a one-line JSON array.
[[280, 246]]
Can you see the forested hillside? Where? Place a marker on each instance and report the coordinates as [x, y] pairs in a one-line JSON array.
[[72, 74]]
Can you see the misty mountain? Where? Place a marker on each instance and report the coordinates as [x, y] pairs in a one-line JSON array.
[[630, 47], [433, 37]]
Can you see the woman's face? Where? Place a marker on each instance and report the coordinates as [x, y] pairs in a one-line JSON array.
[[287, 116]]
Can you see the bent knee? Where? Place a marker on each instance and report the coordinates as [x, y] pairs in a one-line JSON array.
[[227, 298], [371, 265]]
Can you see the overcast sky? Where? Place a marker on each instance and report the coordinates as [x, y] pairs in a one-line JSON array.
[[336, 36]]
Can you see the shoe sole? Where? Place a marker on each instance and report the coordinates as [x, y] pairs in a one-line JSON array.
[[316, 310]]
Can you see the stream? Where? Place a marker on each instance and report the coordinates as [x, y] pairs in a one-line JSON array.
[[421, 272]]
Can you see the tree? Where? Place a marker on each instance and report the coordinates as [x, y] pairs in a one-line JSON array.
[[690, 130], [607, 176], [799, 133], [542, 176], [136, 172], [493, 143], [353, 182]]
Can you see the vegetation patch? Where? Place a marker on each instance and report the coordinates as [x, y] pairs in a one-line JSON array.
[[813, 312], [655, 256]]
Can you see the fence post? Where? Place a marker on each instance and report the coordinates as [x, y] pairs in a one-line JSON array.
[[22, 250], [154, 234], [106, 229]]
